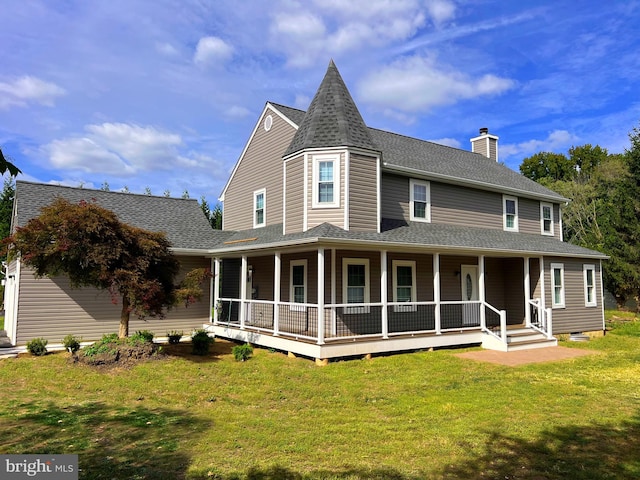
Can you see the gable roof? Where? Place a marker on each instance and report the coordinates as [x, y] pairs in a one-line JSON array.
[[180, 219], [332, 119]]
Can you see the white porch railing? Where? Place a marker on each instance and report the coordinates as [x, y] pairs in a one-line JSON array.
[[541, 318], [359, 321]]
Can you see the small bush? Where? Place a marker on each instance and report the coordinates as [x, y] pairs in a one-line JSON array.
[[71, 343], [242, 352], [37, 346], [174, 336], [141, 336], [200, 342], [107, 344]]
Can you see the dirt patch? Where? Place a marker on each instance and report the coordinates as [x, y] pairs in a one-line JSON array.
[[118, 355], [524, 357]]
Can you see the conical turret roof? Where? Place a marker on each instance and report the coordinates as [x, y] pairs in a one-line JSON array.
[[332, 119]]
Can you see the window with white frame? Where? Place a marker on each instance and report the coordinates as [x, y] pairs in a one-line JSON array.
[[546, 218], [355, 284], [404, 284], [590, 299], [420, 201], [557, 285], [259, 208], [298, 284], [326, 181], [510, 213]]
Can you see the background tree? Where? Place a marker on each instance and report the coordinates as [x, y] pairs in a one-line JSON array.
[[548, 166], [6, 209], [89, 245], [7, 166], [214, 216]]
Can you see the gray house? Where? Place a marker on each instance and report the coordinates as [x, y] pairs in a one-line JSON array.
[[50, 308], [339, 239], [343, 239]]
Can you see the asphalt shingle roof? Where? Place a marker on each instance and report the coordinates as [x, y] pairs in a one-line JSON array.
[[332, 119], [437, 236], [181, 220]]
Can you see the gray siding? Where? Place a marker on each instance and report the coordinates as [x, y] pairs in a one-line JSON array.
[[529, 216], [318, 216], [50, 308], [395, 197], [294, 181], [374, 273], [450, 288], [575, 317], [465, 206], [260, 167], [424, 275], [480, 146], [557, 227], [262, 276], [363, 187]]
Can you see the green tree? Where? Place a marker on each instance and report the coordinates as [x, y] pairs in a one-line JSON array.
[[89, 245], [7, 166], [214, 216], [6, 208], [586, 158], [548, 166]]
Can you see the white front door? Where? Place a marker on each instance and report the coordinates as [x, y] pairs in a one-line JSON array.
[[469, 290]]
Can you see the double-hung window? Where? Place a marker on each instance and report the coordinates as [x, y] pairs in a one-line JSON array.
[[557, 285], [404, 284], [510, 213], [259, 208], [326, 181], [590, 285], [419, 201], [355, 284], [298, 284], [546, 219]]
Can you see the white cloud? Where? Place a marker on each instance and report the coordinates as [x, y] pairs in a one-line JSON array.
[[441, 11], [166, 49], [237, 111], [449, 142], [417, 84], [556, 140], [26, 90], [211, 50]]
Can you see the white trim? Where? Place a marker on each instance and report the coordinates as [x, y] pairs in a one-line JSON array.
[[305, 285], [384, 294], [506, 198], [277, 279], [414, 291], [592, 269], [260, 121], [263, 192], [412, 183], [214, 288], [601, 293], [367, 284], [379, 192], [560, 223], [542, 207], [268, 123], [320, 277], [347, 164], [284, 198], [316, 160], [561, 303], [305, 200]]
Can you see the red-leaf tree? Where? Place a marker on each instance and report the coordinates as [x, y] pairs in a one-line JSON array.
[[92, 247]]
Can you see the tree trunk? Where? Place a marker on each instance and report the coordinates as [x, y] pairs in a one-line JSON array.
[[124, 318]]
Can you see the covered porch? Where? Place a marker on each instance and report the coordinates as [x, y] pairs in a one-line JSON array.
[[331, 301]]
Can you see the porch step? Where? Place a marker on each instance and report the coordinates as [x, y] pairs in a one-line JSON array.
[[521, 339], [4, 340]]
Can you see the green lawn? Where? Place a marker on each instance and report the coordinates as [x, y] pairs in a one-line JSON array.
[[400, 417]]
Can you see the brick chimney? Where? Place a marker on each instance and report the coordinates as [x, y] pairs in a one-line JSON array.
[[485, 144]]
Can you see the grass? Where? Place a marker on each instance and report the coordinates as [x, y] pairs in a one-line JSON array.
[[401, 417]]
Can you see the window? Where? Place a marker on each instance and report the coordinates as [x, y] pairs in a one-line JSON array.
[[419, 202], [590, 286], [546, 218], [557, 285], [326, 181], [259, 213], [355, 283], [404, 284], [298, 284], [510, 213]]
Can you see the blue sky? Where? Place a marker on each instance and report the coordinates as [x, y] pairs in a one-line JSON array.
[[165, 93]]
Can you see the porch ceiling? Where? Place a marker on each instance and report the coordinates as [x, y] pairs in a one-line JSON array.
[[398, 234]]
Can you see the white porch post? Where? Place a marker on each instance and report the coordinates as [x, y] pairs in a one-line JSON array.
[[243, 291], [320, 296], [436, 292], [542, 290], [215, 289], [383, 293], [482, 294], [277, 267], [334, 298], [527, 292]]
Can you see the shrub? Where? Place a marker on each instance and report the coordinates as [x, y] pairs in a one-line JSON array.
[[242, 352], [71, 343], [141, 336], [200, 341], [107, 344], [37, 346], [174, 336]]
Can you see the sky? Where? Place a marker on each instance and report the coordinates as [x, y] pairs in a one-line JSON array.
[[163, 95]]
